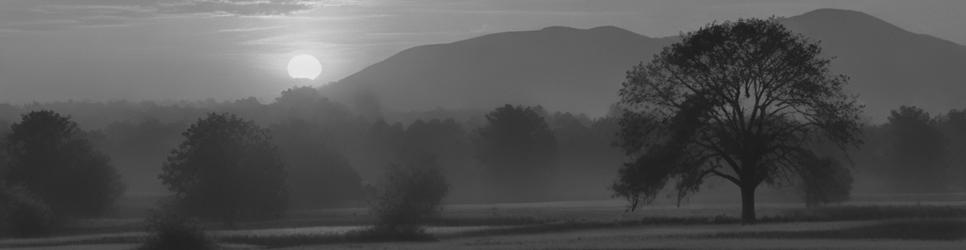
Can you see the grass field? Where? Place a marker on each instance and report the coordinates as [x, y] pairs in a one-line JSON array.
[[582, 225]]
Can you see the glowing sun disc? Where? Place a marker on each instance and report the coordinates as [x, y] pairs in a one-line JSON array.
[[304, 67]]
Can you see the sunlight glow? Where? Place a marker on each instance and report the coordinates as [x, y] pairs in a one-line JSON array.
[[304, 67]]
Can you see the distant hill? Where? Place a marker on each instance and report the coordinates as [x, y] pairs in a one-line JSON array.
[[580, 70], [889, 66]]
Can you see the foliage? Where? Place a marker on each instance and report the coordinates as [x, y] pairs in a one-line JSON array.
[[4, 159], [23, 214], [170, 230], [916, 150], [519, 151], [228, 169], [409, 196], [587, 158], [736, 100], [954, 129], [319, 176], [51, 157], [307, 103], [824, 180]]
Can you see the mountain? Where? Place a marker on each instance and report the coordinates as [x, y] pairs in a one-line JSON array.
[[888, 66], [580, 70], [561, 68]]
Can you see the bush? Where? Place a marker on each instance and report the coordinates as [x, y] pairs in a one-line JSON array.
[[23, 214], [824, 181], [170, 230], [49, 155], [409, 197]]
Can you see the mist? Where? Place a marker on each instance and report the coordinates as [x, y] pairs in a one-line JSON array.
[[482, 124]]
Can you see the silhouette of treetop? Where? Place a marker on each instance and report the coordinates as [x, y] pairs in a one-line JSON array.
[[738, 100], [226, 168]]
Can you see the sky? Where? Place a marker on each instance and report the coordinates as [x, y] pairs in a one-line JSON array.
[[172, 50]]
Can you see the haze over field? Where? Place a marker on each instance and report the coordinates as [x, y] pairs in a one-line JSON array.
[[503, 124]]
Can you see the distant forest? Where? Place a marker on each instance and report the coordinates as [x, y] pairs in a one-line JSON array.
[[333, 151]]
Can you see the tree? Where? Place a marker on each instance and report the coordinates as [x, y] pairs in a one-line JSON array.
[[519, 151], [51, 157], [587, 156], [954, 128], [319, 176], [410, 195], [824, 180], [4, 160], [307, 103], [447, 140], [738, 100], [226, 168], [917, 151]]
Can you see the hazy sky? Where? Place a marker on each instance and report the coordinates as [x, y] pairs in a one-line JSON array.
[[197, 49]]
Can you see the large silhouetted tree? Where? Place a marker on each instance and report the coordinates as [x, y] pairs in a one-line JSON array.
[[916, 151], [737, 100], [51, 157], [519, 151], [226, 168]]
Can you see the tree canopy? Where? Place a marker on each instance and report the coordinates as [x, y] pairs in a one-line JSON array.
[[739, 100], [824, 180], [519, 151], [50, 156], [917, 151], [226, 168]]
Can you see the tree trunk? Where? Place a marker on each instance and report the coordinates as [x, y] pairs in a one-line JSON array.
[[748, 205]]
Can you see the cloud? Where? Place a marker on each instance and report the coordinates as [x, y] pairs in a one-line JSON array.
[[26, 15], [239, 7]]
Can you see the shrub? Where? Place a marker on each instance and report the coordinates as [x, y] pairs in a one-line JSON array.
[[170, 230], [49, 155], [409, 197], [23, 214], [824, 181]]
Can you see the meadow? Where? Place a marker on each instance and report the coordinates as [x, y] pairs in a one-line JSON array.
[[867, 223]]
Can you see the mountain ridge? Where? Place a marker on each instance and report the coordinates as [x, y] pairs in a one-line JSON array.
[[580, 70]]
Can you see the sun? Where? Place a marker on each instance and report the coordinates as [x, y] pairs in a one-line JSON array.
[[304, 67]]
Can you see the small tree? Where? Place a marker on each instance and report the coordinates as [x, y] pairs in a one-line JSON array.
[[409, 196], [738, 100], [916, 152], [824, 180], [171, 230], [51, 157], [228, 169], [519, 151]]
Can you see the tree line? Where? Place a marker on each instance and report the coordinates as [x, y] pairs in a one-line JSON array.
[[745, 102], [228, 168]]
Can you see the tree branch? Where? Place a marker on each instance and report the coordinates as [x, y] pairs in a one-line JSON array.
[[726, 176]]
